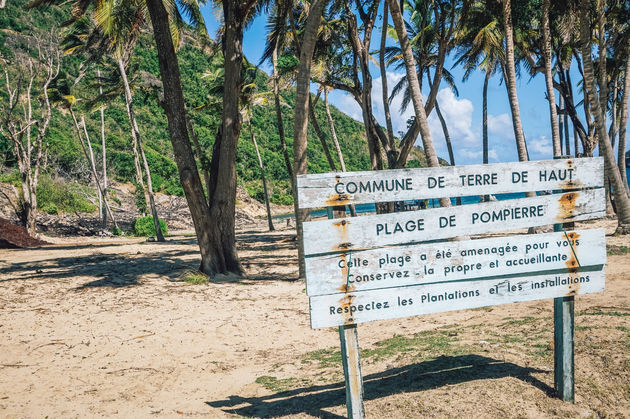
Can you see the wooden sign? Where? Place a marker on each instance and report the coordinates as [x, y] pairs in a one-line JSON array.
[[348, 234], [453, 261], [329, 189], [351, 308]]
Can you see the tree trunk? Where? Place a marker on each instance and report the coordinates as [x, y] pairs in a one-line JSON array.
[[485, 117], [320, 135], [381, 61], [510, 82], [333, 133], [92, 162], [262, 176], [414, 84], [156, 221], [133, 126], [216, 240], [139, 151], [622, 200], [551, 96], [300, 123], [104, 150], [623, 122], [276, 97]]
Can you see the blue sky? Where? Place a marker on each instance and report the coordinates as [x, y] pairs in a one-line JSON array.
[[462, 113]]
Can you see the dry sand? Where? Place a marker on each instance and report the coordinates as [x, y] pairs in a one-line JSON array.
[[102, 327]]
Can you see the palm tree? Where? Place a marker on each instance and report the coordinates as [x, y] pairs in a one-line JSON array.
[[481, 44], [551, 97], [414, 83], [307, 47], [622, 200]]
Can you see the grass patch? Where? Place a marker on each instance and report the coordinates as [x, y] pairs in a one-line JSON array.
[[600, 312], [326, 357], [278, 385], [195, 278], [613, 250], [520, 322]]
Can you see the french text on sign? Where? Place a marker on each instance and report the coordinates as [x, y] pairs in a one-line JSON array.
[[339, 309], [329, 189], [348, 234], [453, 261]]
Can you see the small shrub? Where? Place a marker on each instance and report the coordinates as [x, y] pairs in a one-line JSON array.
[[144, 226], [117, 231], [50, 208], [60, 196], [195, 278]]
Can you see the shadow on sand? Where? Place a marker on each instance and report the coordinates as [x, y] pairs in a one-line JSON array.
[[445, 370], [125, 268]]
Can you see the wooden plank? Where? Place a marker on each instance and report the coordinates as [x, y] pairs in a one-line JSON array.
[[351, 360], [342, 309], [329, 189], [371, 231], [563, 339], [350, 354], [453, 261]]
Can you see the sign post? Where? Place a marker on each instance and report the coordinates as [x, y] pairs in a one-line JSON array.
[[394, 265], [350, 354], [563, 339]]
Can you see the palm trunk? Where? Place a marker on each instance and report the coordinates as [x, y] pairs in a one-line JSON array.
[[276, 97], [381, 61], [320, 135], [93, 165], [139, 150], [104, 150], [300, 124], [333, 133], [156, 221], [414, 84], [91, 162], [133, 125], [623, 122], [622, 200], [214, 227], [551, 96], [510, 82], [262, 176]]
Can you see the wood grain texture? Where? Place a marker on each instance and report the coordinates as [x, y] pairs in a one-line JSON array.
[[359, 307], [453, 261], [328, 189], [372, 231]]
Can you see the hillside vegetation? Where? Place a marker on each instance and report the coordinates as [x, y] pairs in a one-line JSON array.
[[65, 158]]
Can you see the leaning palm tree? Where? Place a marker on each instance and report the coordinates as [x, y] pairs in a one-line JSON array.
[[622, 200]]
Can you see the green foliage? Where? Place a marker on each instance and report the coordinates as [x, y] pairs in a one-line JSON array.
[[57, 196], [144, 227], [65, 153], [50, 208], [195, 278]]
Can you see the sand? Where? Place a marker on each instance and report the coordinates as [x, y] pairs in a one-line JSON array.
[[105, 328]]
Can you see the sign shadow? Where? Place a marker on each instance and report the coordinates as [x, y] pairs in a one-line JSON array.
[[440, 372]]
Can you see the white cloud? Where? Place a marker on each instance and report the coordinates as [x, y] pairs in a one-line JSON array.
[[541, 147], [501, 126], [458, 116]]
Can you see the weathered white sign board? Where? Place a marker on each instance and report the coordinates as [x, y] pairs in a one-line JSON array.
[[391, 303], [329, 189], [369, 268], [342, 235], [453, 261]]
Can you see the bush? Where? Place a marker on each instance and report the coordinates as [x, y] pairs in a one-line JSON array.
[[59, 196], [143, 226], [50, 208]]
